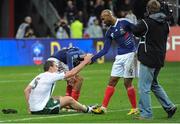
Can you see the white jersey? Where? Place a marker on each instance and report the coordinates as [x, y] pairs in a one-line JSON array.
[[42, 88]]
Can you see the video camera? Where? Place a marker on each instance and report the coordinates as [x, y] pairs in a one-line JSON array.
[[165, 8]]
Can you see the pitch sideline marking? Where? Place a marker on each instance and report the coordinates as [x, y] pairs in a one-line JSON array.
[[76, 114]]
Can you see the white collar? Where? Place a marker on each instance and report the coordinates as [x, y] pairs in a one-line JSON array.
[[115, 23]]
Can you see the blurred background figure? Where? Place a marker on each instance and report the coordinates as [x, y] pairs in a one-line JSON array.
[[99, 7], [62, 29], [76, 28], [94, 30], [29, 33], [130, 15], [70, 11], [85, 9], [25, 29]]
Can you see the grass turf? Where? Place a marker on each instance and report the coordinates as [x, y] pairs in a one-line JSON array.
[[13, 80]]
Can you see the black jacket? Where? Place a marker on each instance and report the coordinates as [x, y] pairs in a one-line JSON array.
[[152, 47]]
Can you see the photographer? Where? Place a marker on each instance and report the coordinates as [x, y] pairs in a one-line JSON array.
[[62, 30], [25, 29], [151, 54]]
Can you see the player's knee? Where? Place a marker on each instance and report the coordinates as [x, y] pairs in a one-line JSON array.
[[113, 82], [80, 79], [70, 99], [127, 83]]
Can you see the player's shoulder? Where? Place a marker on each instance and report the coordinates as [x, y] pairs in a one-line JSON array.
[[124, 20], [74, 48], [43, 74]]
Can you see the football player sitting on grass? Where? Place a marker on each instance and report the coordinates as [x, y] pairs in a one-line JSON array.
[[38, 92]]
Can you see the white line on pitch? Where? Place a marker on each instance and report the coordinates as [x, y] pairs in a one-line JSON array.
[[76, 114]]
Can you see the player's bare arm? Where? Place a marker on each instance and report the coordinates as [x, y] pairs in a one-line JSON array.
[[77, 69], [27, 91]]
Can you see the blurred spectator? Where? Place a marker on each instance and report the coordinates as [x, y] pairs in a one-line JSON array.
[[91, 20], [131, 16], [140, 8], [76, 28], [90, 7], [30, 33], [99, 6], [110, 5], [95, 30], [82, 18], [62, 29], [70, 11], [25, 29]]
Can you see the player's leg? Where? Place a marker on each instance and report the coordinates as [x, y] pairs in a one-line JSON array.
[[116, 73], [52, 107], [131, 95], [77, 87], [107, 96], [68, 89], [69, 101], [129, 74], [109, 91]]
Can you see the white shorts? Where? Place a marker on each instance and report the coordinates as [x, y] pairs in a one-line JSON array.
[[61, 66], [125, 66]]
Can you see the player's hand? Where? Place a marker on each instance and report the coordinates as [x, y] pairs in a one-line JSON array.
[[87, 58]]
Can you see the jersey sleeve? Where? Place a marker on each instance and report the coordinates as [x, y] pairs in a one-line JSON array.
[[128, 24], [32, 82], [107, 45], [69, 59], [139, 29], [57, 76]]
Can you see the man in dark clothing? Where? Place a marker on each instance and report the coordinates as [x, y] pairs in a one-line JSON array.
[[151, 54]]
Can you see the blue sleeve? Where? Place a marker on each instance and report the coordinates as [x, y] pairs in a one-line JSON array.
[[128, 25], [69, 60], [139, 29], [105, 49]]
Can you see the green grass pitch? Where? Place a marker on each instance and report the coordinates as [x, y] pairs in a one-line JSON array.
[[13, 80]]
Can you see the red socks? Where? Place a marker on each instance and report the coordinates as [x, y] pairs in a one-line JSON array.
[[107, 96], [75, 94], [68, 90], [132, 96], [110, 90]]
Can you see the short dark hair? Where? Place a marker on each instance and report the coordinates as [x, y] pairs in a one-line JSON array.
[[47, 65]]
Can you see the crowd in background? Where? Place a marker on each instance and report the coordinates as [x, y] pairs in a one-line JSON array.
[[83, 21]]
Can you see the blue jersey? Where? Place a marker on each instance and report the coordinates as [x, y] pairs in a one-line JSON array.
[[122, 35], [71, 56]]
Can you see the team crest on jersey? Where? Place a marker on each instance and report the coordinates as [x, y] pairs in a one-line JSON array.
[[112, 35], [122, 31]]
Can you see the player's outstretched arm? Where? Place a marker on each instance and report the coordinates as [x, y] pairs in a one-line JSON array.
[[78, 68], [27, 92]]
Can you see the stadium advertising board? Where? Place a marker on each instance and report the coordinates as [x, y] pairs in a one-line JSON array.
[[16, 52], [173, 45]]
